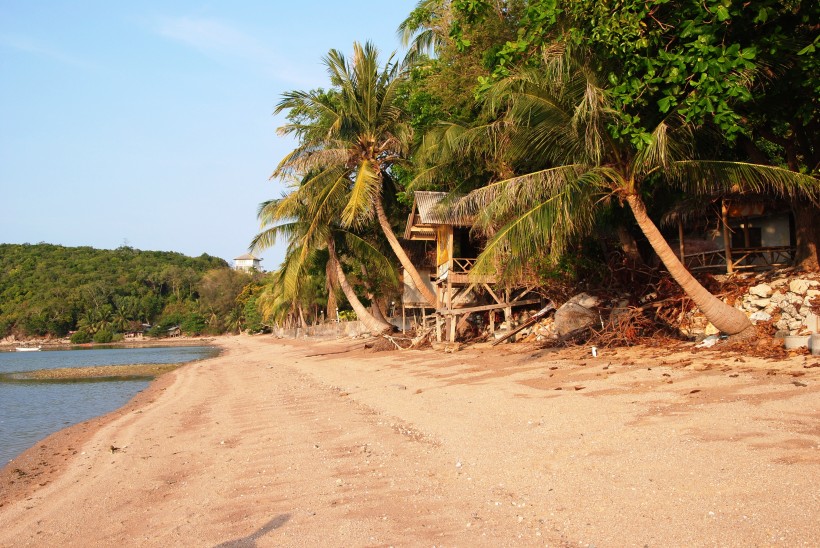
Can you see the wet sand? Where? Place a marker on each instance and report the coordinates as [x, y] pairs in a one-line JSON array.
[[280, 443]]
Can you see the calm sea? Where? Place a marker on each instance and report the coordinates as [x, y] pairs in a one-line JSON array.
[[31, 411]]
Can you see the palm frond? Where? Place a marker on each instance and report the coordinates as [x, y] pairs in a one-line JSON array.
[[362, 195], [709, 177]]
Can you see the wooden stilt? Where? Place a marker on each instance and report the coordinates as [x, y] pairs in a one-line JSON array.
[[727, 238]]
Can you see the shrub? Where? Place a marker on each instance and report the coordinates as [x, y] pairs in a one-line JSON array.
[[103, 336], [347, 316], [81, 337], [193, 324]]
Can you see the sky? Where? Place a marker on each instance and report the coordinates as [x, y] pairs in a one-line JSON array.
[[150, 124]]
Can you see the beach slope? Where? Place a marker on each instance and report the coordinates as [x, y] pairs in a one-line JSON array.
[[294, 444]]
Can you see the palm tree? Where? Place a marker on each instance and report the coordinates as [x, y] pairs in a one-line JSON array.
[[302, 218], [562, 120], [426, 28], [348, 140]]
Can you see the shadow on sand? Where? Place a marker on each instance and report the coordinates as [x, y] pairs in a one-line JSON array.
[[250, 540]]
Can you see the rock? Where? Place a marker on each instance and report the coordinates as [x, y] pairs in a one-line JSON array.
[[761, 290], [782, 325], [571, 317], [777, 297], [779, 283], [585, 300], [795, 325], [760, 317], [761, 303], [799, 286], [793, 298], [711, 330]]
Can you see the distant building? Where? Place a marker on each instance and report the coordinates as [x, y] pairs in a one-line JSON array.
[[246, 262]]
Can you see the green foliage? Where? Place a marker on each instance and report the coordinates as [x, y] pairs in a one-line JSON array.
[[51, 290], [700, 59], [81, 337], [193, 324], [253, 318], [103, 336], [347, 316]]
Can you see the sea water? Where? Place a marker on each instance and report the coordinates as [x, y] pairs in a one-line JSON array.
[[31, 411]]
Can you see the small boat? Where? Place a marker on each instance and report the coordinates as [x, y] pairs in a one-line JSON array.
[[29, 348]]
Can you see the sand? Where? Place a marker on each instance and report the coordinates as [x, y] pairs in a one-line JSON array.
[[280, 443]]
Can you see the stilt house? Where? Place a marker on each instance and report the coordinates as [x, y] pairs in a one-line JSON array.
[[453, 258]]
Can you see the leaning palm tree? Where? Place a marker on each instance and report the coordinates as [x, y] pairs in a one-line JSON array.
[[298, 218], [562, 120], [348, 140]]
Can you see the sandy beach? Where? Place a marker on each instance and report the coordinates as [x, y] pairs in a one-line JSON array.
[[290, 443]]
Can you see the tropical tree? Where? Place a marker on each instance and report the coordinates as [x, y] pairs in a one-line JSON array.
[[304, 219], [750, 69], [349, 138], [562, 119]]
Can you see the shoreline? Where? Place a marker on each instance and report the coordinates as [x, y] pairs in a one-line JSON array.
[[48, 458], [65, 344], [288, 442], [45, 460]]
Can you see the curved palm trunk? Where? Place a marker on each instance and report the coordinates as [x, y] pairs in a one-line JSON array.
[[376, 304], [728, 319], [425, 292], [375, 326]]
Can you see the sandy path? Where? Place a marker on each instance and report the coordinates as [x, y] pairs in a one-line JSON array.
[[288, 444]]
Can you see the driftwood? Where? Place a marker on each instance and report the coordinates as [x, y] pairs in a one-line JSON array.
[[535, 317]]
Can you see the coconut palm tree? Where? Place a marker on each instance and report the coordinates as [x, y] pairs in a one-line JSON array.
[[302, 218], [563, 126], [348, 140]]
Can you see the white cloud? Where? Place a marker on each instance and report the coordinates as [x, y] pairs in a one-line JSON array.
[[220, 40]]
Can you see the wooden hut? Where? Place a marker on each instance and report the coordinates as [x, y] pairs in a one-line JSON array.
[[458, 293], [752, 234]]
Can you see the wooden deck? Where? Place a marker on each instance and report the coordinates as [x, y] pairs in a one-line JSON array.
[[756, 258]]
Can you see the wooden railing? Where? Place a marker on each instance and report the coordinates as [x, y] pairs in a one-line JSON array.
[[463, 266], [755, 258]]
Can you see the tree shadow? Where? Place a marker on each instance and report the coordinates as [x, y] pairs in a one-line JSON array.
[[250, 540]]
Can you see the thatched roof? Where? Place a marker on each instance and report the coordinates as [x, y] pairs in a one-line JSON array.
[[431, 209]]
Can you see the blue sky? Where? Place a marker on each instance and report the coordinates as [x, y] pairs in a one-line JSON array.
[[150, 123]]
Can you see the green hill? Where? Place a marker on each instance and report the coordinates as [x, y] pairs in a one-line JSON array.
[[51, 290]]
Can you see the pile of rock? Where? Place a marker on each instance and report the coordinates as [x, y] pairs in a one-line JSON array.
[[788, 303]]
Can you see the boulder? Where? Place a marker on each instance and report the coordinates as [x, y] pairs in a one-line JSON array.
[[585, 300], [573, 315], [761, 290], [799, 286]]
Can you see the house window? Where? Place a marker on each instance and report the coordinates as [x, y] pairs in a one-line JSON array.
[[739, 233]]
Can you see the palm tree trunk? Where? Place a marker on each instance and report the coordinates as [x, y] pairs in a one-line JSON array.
[[425, 292], [332, 303], [375, 326], [807, 226], [302, 322], [726, 318]]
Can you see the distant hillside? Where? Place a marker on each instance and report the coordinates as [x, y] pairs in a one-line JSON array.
[[51, 290]]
